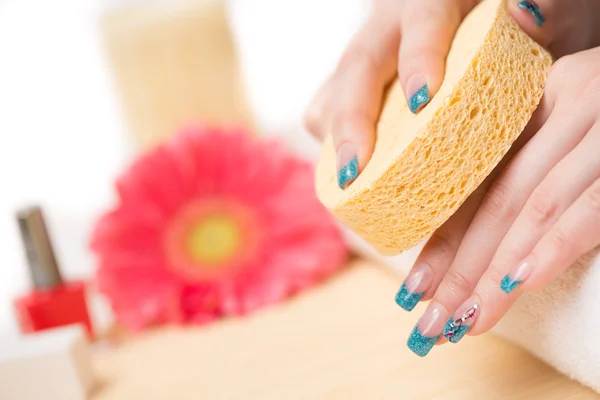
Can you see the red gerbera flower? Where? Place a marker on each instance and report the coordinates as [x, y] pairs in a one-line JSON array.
[[212, 224]]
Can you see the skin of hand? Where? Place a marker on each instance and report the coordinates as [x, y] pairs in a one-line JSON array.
[[536, 213]]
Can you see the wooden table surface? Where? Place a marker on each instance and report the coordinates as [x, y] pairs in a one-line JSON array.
[[342, 340]]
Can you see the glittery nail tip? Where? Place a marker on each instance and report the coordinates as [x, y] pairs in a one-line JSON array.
[[348, 173], [406, 299], [508, 285], [418, 99], [533, 9], [454, 334], [419, 344]]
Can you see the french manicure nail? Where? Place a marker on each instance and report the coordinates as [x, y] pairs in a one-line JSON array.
[[515, 277], [462, 320], [347, 164], [428, 330], [534, 9], [416, 283], [418, 92]]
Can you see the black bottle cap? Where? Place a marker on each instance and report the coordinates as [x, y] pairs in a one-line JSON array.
[[43, 267]]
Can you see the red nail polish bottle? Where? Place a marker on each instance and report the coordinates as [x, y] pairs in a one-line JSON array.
[[52, 302]]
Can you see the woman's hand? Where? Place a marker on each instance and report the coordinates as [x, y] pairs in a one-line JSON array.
[[530, 221], [411, 39], [536, 213], [416, 32]]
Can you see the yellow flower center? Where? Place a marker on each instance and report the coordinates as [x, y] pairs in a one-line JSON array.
[[214, 239], [209, 237]]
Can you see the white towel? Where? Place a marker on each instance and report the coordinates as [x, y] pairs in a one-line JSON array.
[[559, 324], [287, 49]]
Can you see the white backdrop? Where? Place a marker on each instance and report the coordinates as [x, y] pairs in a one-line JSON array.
[[63, 142], [62, 137]]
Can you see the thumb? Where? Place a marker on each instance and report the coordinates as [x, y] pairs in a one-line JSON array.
[[561, 26], [533, 18]]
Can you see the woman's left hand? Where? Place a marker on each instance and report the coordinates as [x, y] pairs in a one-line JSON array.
[[530, 221]]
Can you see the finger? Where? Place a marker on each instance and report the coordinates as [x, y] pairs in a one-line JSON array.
[[550, 200], [365, 69], [555, 24], [439, 254], [576, 233], [427, 332], [535, 18], [436, 257], [317, 118], [428, 29], [557, 192], [459, 323], [499, 209]]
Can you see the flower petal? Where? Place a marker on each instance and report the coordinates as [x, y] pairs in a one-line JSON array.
[[295, 242], [139, 296]]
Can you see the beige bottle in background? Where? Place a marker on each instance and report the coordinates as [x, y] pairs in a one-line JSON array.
[[174, 64]]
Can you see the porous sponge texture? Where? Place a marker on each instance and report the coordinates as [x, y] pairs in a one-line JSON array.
[[425, 166]]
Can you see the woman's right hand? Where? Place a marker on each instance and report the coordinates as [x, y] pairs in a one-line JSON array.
[[411, 39]]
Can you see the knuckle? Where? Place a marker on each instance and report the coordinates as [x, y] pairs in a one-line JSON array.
[[416, 11], [438, 253], [443, 245], [541, 207], [561, 241], [315, 119], [496, 273], [358, 55], [562, 69], [560, 72], [349, 57], [585, 88], [594, 83], [429, 11], [413, 57], [348, 116], [318, 113], [594, 197], [498, 202], [375, 46], [457, 282], [347, 125]]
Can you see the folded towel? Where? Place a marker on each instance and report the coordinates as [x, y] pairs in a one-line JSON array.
[[285, 59], [559, 324]]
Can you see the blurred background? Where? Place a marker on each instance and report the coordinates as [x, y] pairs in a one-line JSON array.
[[86, 85], [89, 88], [64, 138]]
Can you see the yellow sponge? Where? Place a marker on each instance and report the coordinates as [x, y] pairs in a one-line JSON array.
[[425, 166]]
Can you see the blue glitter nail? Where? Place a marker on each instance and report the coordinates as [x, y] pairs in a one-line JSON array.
[[534, 10], [406, 299], [418, 99], [348, 173], [508, 284], [419, 344], [454, 334]]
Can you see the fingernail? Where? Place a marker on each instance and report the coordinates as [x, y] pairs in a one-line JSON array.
[[418, 93], [462, 320], [533, 9], [416, 283], [347, 163], [515, 277], [428, 330]]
